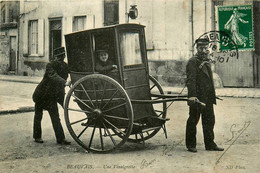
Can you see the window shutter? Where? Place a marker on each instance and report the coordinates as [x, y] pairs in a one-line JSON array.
[[41, 37], [90, 23], [69, 25], [111, 15], [25, 38]]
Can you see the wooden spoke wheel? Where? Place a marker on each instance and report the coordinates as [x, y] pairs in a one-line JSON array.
[[98, 111], [159, 108]]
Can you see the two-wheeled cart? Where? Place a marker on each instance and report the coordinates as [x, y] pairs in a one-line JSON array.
[[103, 111]]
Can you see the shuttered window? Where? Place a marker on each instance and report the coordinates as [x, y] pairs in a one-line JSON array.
[[3, 20], [33, 37], [90, 22], [111, 15], [79, 23]]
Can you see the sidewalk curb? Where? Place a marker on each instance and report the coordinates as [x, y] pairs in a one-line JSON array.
[[21, 81], [19, 110], [14, 108]]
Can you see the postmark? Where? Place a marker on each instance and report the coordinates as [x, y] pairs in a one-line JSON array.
[[237, 21], [218, 39]]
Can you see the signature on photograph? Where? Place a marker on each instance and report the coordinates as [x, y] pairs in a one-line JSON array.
[[235, 134], [235, 130]]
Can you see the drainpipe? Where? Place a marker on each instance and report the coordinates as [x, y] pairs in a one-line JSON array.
[[213, 15], [18, 41], [126, 14], [192, 29], [205, 15]]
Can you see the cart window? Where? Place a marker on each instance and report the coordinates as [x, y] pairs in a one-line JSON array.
[[78, 52], [103, 43], [130, 49]]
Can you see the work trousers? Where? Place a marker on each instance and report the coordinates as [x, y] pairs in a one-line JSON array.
[[208, 122], [52, 108]]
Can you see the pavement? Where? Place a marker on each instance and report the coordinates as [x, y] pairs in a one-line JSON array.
[[236, 129], [25, 103]]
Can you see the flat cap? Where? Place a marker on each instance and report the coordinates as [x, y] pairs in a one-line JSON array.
[[202, 41]]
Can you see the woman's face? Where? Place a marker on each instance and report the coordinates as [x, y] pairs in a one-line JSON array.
[[103, 56]]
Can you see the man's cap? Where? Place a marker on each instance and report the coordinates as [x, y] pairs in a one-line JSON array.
[[59, 51], [202, 41]]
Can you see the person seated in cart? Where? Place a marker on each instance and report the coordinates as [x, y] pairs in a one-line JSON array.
[[104, 64]]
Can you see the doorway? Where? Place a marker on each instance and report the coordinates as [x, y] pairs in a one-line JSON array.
[[13, 49], [55, 36]]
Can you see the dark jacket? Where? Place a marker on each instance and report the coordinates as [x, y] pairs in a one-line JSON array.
[[52, 86], [104, 67], [200, 80]]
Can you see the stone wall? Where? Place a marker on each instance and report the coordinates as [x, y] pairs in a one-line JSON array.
[[4, 53], [173, 73], [169, 73]]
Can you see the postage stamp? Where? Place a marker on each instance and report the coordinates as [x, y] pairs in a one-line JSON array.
[[237, 21]]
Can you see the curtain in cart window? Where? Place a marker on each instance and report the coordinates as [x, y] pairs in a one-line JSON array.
[[130, 49]]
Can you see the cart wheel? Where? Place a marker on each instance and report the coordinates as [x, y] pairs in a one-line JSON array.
[[159, 108], [97, 111]]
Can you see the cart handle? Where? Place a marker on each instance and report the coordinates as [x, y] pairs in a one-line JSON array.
[[164, 100], [201, 103], [167, 95]]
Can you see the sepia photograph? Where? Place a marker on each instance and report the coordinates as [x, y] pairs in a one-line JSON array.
[[156, 86]]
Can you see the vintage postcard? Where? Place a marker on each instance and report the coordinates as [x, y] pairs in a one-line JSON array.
[[156, 86]]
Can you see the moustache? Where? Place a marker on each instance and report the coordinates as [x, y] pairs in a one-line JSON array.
[[203, 54]]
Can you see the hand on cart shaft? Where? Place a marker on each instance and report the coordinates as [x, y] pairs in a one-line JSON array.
[[193, 100]]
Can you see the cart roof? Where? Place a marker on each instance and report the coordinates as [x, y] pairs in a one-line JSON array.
[[125, 25]]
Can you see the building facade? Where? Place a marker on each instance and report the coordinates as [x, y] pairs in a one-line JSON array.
[[44, 24], [172, 26], [9, 36]]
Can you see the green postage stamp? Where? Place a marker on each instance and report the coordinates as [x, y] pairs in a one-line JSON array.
[[237, 22]]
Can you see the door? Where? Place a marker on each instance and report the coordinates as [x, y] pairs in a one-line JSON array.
[[12, 60], [135, 72], [55, 36]]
